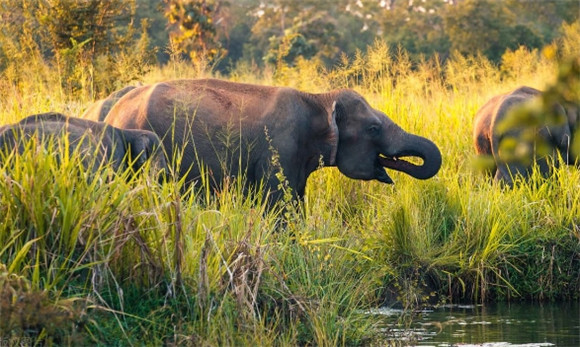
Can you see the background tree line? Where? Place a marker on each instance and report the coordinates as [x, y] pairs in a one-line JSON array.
[[102, 44]]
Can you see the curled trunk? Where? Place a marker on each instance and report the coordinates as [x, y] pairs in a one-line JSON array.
[[415, 146]]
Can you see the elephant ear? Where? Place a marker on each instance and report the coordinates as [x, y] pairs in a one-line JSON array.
[[333, 133]]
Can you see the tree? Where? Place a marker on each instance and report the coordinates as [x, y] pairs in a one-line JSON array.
[[543, 18], [93, 43], [193, 28], [96, 21], [153, 12], [479, 25], [418, 28], [492, 27], [310, 27]]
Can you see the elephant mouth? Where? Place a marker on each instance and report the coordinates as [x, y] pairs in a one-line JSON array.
[[394, 163], [380, 172]]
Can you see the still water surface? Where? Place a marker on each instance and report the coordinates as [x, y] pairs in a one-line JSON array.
[[519, 324]]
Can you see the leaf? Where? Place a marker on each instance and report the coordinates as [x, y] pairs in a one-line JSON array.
[[22, 254]]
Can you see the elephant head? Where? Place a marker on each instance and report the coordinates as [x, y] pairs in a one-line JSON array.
[[369, 142], [98, 143], [142, 146]]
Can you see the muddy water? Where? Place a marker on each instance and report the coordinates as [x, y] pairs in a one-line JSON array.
[[520, 324]]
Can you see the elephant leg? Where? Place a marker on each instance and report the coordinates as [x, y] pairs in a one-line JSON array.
[[269, 185], [506, 173], [502, 176], [546, 168], [278, 191]]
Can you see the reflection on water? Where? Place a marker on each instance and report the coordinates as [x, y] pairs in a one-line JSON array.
[[493, 325]]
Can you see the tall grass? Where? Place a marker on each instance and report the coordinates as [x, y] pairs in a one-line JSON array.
[[130, 261]]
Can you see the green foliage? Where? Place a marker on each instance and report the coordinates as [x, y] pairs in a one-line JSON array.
[[251, 32], [419, 32], [66, 21], [569, 42], [81, 40], [287, 49], [193, 26], [490, 28], [516, 62], [307, 27]]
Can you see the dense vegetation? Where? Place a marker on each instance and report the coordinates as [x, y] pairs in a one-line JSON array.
[[99, 46], [113, 260]]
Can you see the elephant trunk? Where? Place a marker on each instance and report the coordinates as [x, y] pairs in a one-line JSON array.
[[413, 146]]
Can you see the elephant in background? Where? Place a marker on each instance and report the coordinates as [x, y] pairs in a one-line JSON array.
[[488, 135], [98, 143], [99, 110], [220, 128]]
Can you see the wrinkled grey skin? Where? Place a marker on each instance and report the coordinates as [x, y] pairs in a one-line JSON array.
[[99, 110], [98, 143], [487, 138], [225, 128]]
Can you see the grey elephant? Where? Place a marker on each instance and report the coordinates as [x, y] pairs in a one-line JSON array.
[[220, 128], [97, 142], [488, 136], [99, 110]]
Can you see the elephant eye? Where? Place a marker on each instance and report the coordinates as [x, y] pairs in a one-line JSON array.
[[373, 130]]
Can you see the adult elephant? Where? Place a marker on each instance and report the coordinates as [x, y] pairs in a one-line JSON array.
[[220, 128], [99, 110], [488, 135], [98, 143]]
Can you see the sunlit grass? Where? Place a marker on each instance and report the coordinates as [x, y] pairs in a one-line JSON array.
[[150, 263]]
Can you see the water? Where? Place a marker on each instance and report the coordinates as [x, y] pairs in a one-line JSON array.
[[521, 324]]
